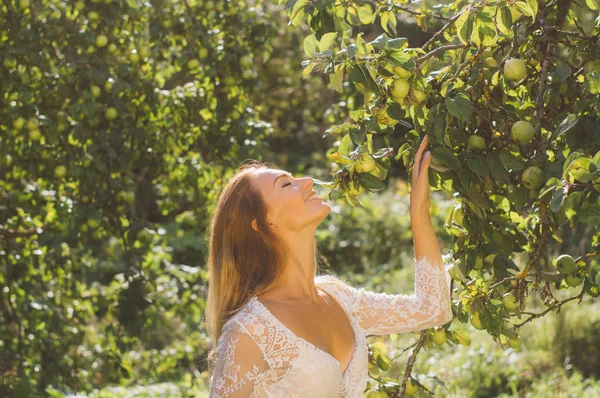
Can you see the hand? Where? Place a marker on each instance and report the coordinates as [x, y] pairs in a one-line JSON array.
[[419, 192]]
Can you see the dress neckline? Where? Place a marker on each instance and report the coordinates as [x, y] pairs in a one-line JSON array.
[[311, 345]]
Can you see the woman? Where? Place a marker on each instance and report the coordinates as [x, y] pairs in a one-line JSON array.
[[281, 330]]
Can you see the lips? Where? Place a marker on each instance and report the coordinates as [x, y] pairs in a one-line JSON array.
[[312, 195]]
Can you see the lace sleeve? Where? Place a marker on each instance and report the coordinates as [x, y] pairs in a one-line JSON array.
[[239, 364], [430, 305]]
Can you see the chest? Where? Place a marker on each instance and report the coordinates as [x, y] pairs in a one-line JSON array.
[[326, 328]]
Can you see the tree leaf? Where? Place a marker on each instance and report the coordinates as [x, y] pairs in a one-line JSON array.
[[447, 156], [388, 23], [567, 124], [370, 182], [505, 21], [344, 147], [398, 43], [365, 14], [511, 161], [459, 107], [589, 214], [380, 42], [464, 27], [336, 79], [326, 41], [592, 83], [478, 165], [580, 169], [524, 8], [340, 128], [557, 200], [310, 45], [297, 12]]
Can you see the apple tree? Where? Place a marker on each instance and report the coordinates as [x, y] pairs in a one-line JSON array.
[[508, 93]]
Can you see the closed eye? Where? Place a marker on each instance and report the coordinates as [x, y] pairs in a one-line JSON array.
[[285, 185]]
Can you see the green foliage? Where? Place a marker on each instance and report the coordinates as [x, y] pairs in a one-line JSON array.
[[119, 124]]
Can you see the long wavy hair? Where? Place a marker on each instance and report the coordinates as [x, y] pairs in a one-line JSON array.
[[242, 263]]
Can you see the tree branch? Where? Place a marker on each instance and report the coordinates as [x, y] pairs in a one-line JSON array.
[[439, 32]]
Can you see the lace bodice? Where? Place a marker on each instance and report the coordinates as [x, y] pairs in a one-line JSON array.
[[258, 356]]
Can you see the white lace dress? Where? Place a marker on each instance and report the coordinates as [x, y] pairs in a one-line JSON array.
[[258, 356]]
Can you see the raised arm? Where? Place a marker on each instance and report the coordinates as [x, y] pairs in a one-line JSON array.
[[239, 365], [384, 313]]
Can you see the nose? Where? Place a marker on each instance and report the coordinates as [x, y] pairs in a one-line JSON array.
[[309, 182]]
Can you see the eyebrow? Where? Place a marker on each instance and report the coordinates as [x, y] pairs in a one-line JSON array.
[[280, 175]]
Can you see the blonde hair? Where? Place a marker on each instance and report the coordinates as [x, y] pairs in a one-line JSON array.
[[242, 262]]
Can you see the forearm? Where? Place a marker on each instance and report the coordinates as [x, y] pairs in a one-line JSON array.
[[425, 240]]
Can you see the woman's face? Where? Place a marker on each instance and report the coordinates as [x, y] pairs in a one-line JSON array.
[[286, 200]]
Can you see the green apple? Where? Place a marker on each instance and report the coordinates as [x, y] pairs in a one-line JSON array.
[[32, 124], [23, 4], [60, 171], [399, 89], [101, 41], [112, 48], [533, 177], [80, 5], [193, 64], [478, 262], [510, 301], [126, 196], [93, 223], [353, 191], [521, 132], [401, 72], [411, 387], [476, 322], [573, 280], [145, 52], [209, 5], [514, 69], [93, 16], [167, 23], [202, 53], [9, 63], [462, 337], [514, 343], [109, 85], [565, 264], [95, 91], [19, 123], [111, 113], [377, 394], [35, 134], [439, 336], [364, 164], [418, 96], [134, 57], [476, 142], [382, 117], [246, 62], [249, 74]]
